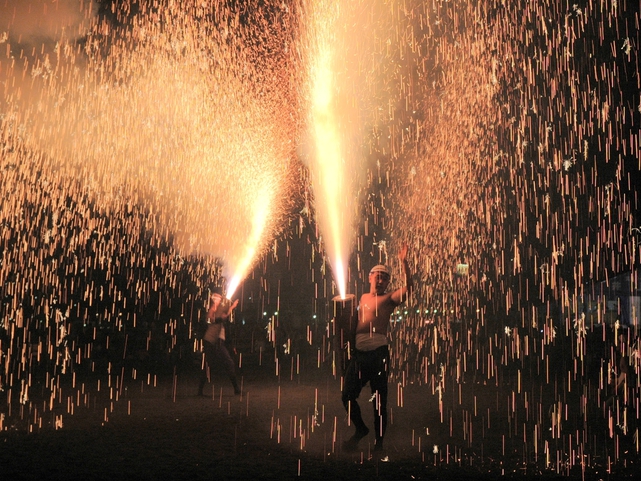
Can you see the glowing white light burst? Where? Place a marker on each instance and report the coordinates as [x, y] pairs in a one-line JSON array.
[[330, 180], [334, 127], [238, 267]]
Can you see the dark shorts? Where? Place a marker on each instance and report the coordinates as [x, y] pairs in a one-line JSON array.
[[364, 367]]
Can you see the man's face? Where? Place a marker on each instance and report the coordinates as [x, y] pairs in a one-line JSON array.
[[379, 282]]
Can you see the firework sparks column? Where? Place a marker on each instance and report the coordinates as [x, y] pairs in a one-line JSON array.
[[335, 127]]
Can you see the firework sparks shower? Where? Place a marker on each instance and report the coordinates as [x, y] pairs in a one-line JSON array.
[[148, 148], [163, 117], [336, 98]]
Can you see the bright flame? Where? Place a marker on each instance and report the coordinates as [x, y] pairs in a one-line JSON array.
[[246, 261], [329, 160], [332, 121]]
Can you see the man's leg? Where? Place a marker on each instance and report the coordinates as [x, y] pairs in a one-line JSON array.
[[378, 384], [351, 390], [206, 361], [228, 364]]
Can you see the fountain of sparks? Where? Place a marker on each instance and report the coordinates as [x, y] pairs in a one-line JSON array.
[[167, 131], [516, 131], [334, 94], [172, 117]]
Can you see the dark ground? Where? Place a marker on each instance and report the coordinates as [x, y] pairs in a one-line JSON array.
[[167, 432]]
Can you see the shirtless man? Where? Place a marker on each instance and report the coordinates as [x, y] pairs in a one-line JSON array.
[[370, 359]]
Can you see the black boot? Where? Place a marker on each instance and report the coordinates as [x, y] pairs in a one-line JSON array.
[[351, 444]]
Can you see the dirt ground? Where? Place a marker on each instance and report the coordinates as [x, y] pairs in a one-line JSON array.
[[292, 427]]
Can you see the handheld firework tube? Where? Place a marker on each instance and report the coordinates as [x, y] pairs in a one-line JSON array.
[[345, 322]]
